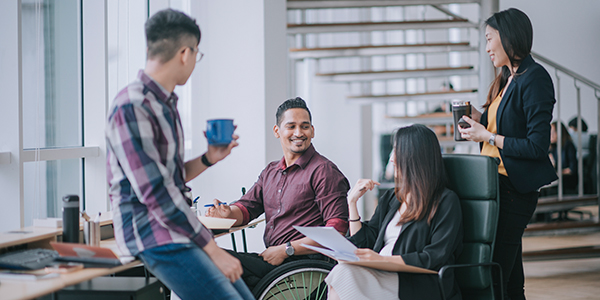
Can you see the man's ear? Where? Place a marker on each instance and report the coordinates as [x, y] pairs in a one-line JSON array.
[[313, 132], [182, 55], [276, 131]]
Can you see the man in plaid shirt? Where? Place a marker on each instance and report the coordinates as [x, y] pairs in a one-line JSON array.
[[146, 173]]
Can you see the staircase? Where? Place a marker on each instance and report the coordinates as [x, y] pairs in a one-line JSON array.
[[397, 55]]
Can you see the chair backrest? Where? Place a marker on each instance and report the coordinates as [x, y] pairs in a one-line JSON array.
[[474, 178]]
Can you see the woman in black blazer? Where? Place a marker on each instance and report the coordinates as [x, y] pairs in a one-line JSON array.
[[417, 224], [515, 127]]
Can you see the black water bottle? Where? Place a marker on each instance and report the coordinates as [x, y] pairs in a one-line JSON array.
[[70, 219]]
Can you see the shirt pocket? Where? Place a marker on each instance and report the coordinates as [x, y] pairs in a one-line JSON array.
[[298, 197]]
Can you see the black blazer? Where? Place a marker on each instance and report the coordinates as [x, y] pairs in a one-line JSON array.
[[523, 118], [420, 244]]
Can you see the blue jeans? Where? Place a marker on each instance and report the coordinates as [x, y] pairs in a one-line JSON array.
[[190, 273]]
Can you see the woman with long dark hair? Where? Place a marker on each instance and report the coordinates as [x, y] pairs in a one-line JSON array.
[[419, 223], [515, 127]]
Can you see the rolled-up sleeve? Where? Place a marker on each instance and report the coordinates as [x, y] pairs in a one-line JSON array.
[[331, 190]]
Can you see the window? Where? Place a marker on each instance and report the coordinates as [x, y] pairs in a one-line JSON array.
[[52, 104]]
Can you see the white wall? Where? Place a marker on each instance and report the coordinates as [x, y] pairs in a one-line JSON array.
[[567, 33], [242, 76]]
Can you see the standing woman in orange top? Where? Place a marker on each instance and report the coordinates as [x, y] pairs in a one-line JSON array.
[[515, 127]]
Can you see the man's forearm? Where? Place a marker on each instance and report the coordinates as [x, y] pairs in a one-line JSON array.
[[194, 168]]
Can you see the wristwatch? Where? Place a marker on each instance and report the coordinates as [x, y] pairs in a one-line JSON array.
[[289, 249], [492, 140]]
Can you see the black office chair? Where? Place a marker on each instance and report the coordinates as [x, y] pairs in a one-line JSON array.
[[474, 178], [301, 279]]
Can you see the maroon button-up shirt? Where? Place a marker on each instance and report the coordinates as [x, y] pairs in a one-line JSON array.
[[310, 192]]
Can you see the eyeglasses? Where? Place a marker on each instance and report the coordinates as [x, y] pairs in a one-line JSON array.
[[199, 55]]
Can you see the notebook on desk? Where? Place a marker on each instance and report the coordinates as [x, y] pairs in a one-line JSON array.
[[90, 256]]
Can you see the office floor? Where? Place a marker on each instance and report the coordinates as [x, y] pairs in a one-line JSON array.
[[573, 279]]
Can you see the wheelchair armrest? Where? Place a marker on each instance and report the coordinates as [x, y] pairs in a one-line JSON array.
[[448, 267]]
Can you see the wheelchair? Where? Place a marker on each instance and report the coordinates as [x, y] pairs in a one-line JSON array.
[[301, 279]]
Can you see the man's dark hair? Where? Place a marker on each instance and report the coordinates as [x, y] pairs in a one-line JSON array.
[[288, 104], [167, 31], [573, 123]]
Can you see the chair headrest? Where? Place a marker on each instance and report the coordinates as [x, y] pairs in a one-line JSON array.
[[472, 177]]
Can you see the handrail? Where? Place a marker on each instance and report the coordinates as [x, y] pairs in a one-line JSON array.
[[566, 71]]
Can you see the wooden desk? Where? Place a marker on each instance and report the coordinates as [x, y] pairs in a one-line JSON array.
[[238, 228], [23, 289], [40, 237]]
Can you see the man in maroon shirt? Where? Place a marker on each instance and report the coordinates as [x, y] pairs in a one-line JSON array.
[[303, 188]]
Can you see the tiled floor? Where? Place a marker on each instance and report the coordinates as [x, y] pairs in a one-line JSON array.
[[572, 279]]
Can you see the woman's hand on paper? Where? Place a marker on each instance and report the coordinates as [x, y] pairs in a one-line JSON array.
[[360, 188], [366, 254]]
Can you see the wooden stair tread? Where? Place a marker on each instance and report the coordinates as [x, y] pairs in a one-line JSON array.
[[425, 116], [415, 94], [455, 20], [548, 200], [562, 253], [562, 225], [379, 46], [397, 71], [312, 4]]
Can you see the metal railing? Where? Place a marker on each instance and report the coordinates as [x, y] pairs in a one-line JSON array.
[[577, 79]]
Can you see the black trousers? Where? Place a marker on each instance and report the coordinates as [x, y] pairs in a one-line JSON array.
[[255, 268], [516, 209]]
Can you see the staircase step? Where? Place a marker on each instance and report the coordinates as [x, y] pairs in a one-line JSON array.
[[562, 227], [552, 203], [378, 26], [396, 74], [562, 253], [429, 96], [311, 4], [300, 53], [427, 119]]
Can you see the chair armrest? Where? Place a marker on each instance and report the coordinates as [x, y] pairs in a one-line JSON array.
[[447, 267]]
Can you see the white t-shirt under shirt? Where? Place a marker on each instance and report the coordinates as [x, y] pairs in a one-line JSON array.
[[392, 232]]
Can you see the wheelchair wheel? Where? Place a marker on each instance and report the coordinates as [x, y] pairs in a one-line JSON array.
[[301, 279]]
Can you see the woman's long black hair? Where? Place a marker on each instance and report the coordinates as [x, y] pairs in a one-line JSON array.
[[516, 35], [420, 172]]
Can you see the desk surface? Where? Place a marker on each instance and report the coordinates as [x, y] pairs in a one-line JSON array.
[[23, 289], [40, 237], [238, 228]]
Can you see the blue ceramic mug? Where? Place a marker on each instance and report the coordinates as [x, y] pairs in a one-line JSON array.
[[219, 131]]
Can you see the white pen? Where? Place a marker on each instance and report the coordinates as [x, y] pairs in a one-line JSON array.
[[97, 219]]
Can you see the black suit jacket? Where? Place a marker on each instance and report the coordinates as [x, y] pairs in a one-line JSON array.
[[429, 246], [523, 118]]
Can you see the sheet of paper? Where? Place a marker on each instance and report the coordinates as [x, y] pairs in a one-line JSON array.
[[216, 223], [331, 253], [330, 238], [342, 250]]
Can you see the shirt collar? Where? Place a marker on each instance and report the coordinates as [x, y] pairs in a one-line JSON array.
[[160, 92], [302, 161]]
